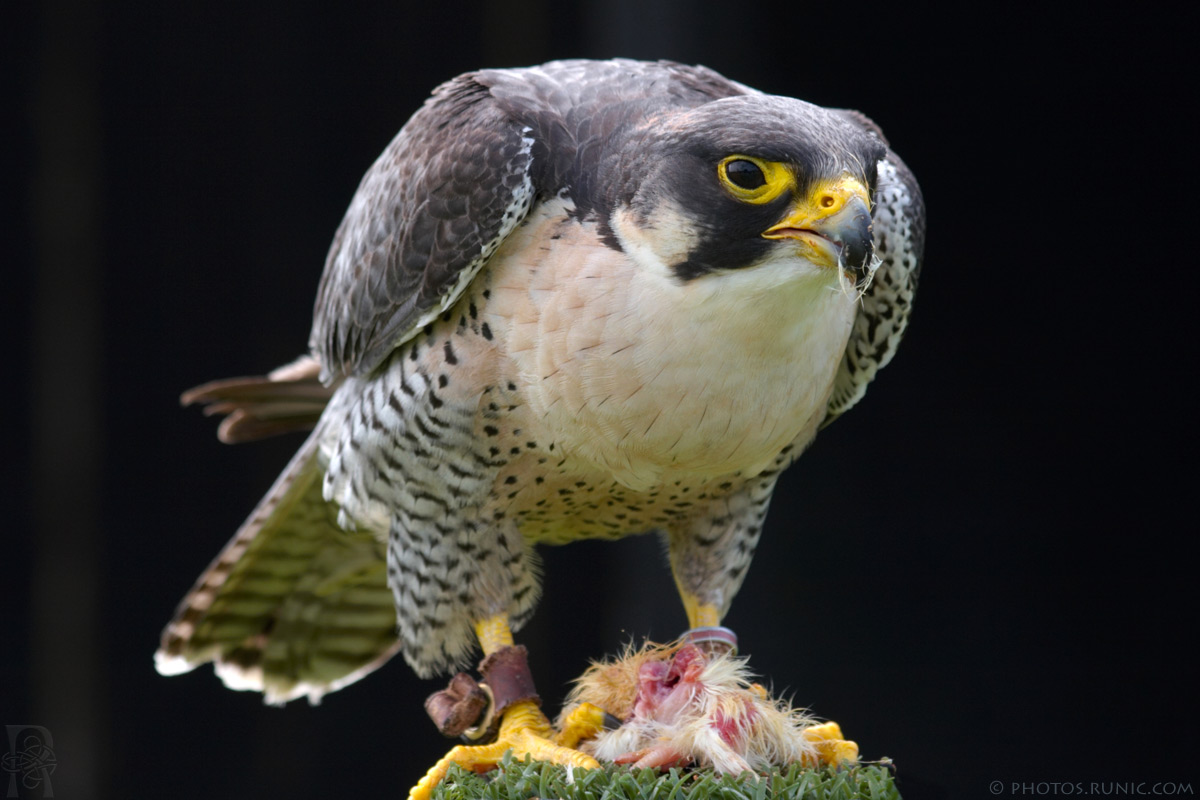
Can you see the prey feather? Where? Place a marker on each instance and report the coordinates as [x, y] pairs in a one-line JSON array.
[[680, 706], [857, 288]]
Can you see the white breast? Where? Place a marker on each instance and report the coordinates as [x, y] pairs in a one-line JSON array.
[[636, 374]]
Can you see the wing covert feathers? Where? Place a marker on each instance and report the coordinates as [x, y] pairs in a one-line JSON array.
[[293, 606], [427, 216]]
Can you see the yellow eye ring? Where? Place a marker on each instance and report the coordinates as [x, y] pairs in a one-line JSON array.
[[776, 178]]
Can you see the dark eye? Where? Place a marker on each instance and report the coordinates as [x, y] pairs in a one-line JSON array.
[[745, 174]]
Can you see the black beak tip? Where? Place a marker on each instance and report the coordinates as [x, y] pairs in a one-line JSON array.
[[858, 250]]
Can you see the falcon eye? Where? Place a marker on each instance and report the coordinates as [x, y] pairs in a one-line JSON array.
[[745, 174], [753, 180]]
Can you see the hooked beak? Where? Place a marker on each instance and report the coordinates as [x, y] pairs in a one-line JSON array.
[[832, 225]]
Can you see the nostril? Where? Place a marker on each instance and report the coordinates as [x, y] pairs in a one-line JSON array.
[[827, 201]]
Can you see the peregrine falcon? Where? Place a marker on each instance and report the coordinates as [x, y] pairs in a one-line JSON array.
[[587, 299]]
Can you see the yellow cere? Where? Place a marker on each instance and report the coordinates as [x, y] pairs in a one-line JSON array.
[[824, 200], [779, 179]]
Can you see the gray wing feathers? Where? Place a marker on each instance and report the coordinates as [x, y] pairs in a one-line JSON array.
[[899, 225], [293, 606], [426, 217], [458, 178]]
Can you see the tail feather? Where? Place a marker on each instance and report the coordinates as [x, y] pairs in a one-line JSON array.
[[293, 605], [289, 399]]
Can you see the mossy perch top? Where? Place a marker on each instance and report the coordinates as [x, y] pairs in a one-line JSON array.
[[524, 780]]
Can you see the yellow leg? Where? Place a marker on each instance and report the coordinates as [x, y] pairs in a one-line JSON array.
[[700, 615], [494, 633], [524, 729]]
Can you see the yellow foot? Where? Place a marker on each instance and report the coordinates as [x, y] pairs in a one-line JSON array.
[[524, 730], [584, 722], [832, 749]]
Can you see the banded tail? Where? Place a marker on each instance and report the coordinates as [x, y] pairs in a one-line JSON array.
[[294, 605]]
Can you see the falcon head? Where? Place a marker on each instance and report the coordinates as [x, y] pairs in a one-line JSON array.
[[747, 180]]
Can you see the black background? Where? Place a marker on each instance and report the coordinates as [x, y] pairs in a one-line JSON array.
[[985, 571]]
